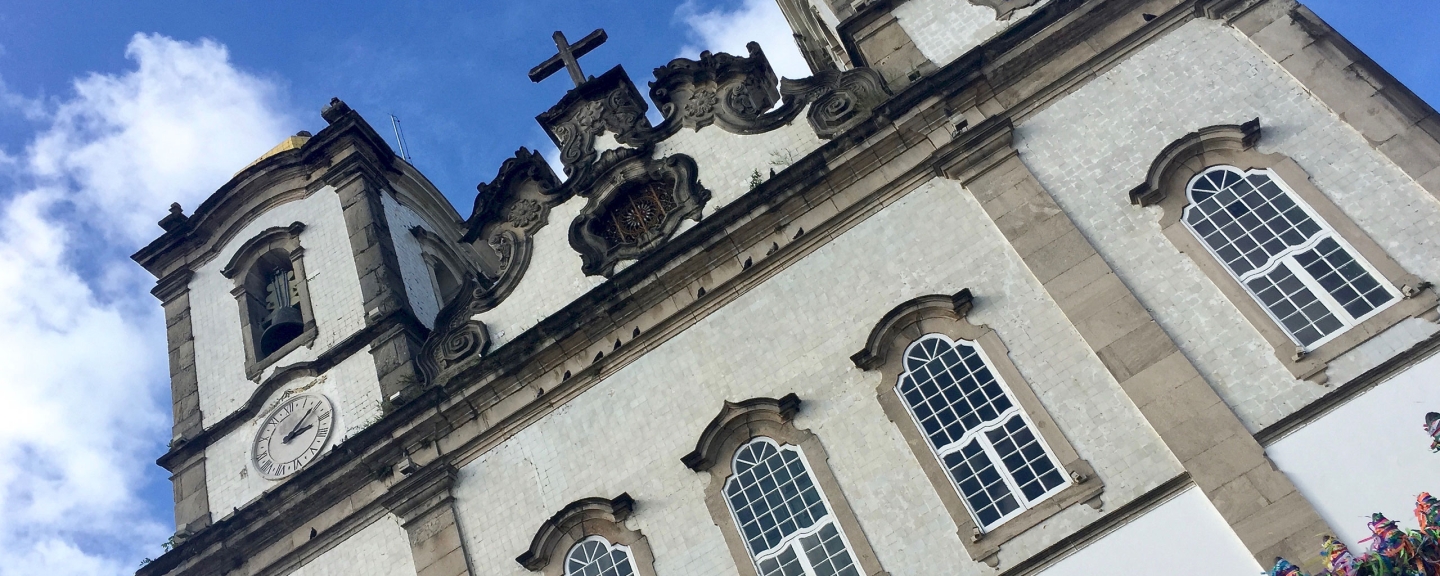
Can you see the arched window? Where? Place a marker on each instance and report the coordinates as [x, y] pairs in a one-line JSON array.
[[785, 520], [275, 302], [589, 538], [1301, 272], [985, 441], [446, 284], [275, 314], [1307, 278], [596, 556], [980, 434]]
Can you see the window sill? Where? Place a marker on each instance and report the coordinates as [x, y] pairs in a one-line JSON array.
[[986, 547]]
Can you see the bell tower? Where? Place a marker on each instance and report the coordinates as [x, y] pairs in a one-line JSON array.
[[296, 300]]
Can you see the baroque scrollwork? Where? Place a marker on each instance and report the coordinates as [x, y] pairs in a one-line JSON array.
[[738, 94], [457, 334], [634, 208], [838, 100], [722, 89], [508, 211]]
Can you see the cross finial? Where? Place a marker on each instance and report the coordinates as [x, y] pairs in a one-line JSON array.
[[566, 56]]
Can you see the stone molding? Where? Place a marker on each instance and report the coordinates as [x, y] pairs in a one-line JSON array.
[[284, 239], [902, 318], [1234, 145], [581, 519], [1397, 123], [949, 316], [649, 198], [738, 423], [426, 507]]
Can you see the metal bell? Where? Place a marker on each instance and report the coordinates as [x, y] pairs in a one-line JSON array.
[[285, 324]]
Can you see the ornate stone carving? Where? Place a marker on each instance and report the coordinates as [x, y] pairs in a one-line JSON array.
[[729, 91], [838, 100], [457, 334], [634, 208], [737, 94], [609, 103], [509, 210], [1004, 8]]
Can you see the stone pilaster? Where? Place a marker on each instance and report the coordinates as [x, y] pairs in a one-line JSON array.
[[192, 500], [427, 511], [378, 269], [1259, 502]]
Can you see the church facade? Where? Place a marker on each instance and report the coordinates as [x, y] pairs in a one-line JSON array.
[[1004, 287]]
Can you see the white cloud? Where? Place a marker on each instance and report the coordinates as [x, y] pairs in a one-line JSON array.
[[82, 343], [720, 30]]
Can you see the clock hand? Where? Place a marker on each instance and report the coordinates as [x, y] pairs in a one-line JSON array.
[[297, 429]]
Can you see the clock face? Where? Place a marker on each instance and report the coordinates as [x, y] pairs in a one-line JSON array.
[[292, 435]]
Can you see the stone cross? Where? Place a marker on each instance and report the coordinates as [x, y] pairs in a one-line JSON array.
[[566, 58]]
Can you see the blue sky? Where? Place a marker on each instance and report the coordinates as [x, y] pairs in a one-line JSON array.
[[109, 112]]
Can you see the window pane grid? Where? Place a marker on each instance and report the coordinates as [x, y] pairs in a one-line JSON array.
[[1288, 260], [782, 516], [1247, 221], [1294, 305], [980, 483], [595, 558], [1025, 458], [1339, 274], [772, 496], [826, 553], [997, 463], [951, 391]]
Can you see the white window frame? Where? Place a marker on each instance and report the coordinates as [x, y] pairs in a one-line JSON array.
[[609, 548], [791, 541], [984, 440], [1287, 259]]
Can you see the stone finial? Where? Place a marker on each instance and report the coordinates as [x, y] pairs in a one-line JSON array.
[[175, 219], [335, 110]]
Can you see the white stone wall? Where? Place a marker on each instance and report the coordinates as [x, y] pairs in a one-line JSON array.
[[795, 333], [419, 287], [728, 161], [380, 549], [215, 316], [1183, 537], [553, 279], [230, 475], [1369, 455], [944, 30], [1090, 148]]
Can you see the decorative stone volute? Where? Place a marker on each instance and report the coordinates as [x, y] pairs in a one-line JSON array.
[[729, 91]]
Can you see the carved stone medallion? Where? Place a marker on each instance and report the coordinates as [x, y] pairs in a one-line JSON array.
[[633, 209]]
